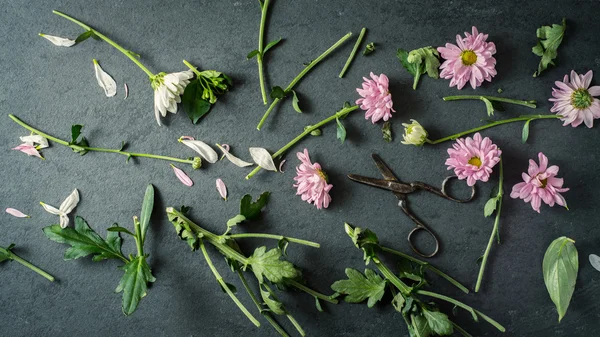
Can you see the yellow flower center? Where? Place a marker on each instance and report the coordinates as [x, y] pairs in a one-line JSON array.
[[468, 57], [323, 175], [475, 161]]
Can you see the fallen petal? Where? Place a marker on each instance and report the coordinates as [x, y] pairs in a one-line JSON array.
[[281, 165], [202, 148], [235, 160], [226, 147], [50, 209], [595, 261], [263, 158], [16, 213], [58, 41], [182, 176], [70, 202], [105, 81], [126, 91], [221, 188], [63, 220], [30, 150]]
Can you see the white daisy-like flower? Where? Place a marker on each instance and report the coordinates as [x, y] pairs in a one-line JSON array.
[[168, 89]]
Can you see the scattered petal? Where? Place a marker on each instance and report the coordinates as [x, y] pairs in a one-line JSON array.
[[595, 261], [226, 147], [65, 208], [235, 160], [281, 165], [58, 41], [30, 150], [35, 139], [202, 148], [105, 81], [221, 188], [126, 91], [50, 209], [16, 213], [182, 176], [263, 158]]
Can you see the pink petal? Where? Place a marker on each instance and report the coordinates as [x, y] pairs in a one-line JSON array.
[[16, 213], [187, 138], [221, 188], [182, 176], [30, 150]]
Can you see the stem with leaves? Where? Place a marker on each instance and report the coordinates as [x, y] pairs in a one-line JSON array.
[[260, 55], [530, 104], [7, 254]]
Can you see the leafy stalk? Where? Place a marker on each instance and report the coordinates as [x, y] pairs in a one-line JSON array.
[[8, 254], [353, 53], [260, 52], [492, 103]]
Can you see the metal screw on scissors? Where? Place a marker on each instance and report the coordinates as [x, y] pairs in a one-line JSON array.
[[401, 190]]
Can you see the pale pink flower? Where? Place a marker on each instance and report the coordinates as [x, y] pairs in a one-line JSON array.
[[311, 182], [473, 158], [221, 188], [469, 62], [182, 176], [574, 100], [376, 98], [30, 150], [540, 184], [16, 213]]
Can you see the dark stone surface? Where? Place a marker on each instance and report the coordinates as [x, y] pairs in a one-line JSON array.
[[52, 88]]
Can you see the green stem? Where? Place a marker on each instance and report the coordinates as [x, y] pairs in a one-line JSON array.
[[353, 53], [529, 104], [29, 265], [192, 68], [491, 125], [302, 73], [259, 57], [138, 236], [226, 288], [460, 330], [275, 237], [309, 291], [340, 114], [97, 149], [109, 41], [428, 267], [296, 325], [494, 230], [404, 289]]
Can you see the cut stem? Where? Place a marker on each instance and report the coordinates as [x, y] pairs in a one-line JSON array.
[[494, 230], [340, 114], [309, 291], [302, 73], [353, 53], [138, 236], [29, 265], [275, 237], [403, 287], [261, 46], [529, 104]]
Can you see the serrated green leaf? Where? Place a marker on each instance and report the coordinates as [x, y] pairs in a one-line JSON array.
[[75, 132], [147, 207], [420, 327], [271, 300], [252, 210], [271, 45], [268, 264], [252, 54], [560, 267], [85, 241], [236, 220], [369, 48], [386, 130], [193, 102], [134, 283], [427, 57], [341, 131], [295, 102], [83, 36], [359, 287], [398, 302], [438, 322], [402, 56], [525, 133], [277, 93], [549, 39], [490, 206]]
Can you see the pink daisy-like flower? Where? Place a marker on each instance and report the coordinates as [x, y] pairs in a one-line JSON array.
[[376, 98], [473, 158], [540, 184], [311, 182], [471, 61], [574, 100]]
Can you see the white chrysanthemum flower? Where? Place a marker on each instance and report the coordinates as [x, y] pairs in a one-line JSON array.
[[414, 134], [168, 89]]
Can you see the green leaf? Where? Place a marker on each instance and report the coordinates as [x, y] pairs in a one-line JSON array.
[[369, 48], [277, 93], [402, 55], [147, 207], [359, 287], [560, 266], [295, 102], [387, 131], [488, 106], [549, 39], [236, 220], [134, 283], [318, 305], [271, 45], [420, 326], [193, 103], [6, 253], [490, 206], [427, 56], [271, 301], [85, 241], [525, 134], [252, 210], [341, 131], [75, 132], [268, 264], [252, 54], [83, 36], [398, 302], [117, 228], [438, 322]]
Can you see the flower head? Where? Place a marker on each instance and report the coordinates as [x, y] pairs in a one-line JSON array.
[[471, 61], [473, 158], [574, 100], [540, 184], [376, 98], [414, 134], [167, 91], [311, 182]]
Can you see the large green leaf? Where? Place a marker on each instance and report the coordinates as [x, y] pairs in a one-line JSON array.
[[549, 38], [359, 287], [251, 210], [438, 322], [134, 283], [269, 265], [560, 266], [194, 105], [147, 207]]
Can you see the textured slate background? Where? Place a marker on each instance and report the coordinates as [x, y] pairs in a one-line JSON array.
[[52, 88]]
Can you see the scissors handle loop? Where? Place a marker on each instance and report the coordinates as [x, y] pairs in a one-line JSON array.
[[414, 248], [442, 191]]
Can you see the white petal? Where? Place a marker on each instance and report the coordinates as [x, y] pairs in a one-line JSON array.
[[63, 220], [105, 81], [35, 139], [16, 213], [203, 149], [235, 160], [70, 203], [50, 209], [221, 188], [595, 261], [58, 41], [157, 108], [263, 158], [126, 90]]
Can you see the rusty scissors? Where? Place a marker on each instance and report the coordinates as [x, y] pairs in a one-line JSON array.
[[401, 190]]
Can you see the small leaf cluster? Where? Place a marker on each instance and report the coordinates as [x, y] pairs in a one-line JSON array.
[[202, 93], [420, 61], [549, 39], [78, 144]]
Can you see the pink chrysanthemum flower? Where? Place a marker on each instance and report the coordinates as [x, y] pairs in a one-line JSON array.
[[473, 158], [540, 184], [377, 100], [574, 100], [471, 61], [311, 182]]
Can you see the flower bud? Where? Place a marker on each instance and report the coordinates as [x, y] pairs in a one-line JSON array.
[[414, 134], [197, 163]]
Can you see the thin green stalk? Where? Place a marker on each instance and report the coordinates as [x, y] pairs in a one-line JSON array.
[[460, 330], [309, 291], [29, 265], [340, 114], [259, 57], [226, 287], [302, 73], [428, 267], [405, 289], [494, 230], [353, 53], [296, 325], [96, 149], [138, 236], [192, 68], [491, 125], [275, 237], [127, 53], [529, 104]]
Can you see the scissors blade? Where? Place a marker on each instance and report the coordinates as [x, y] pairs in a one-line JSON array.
[[394, 186], [384, 169]]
